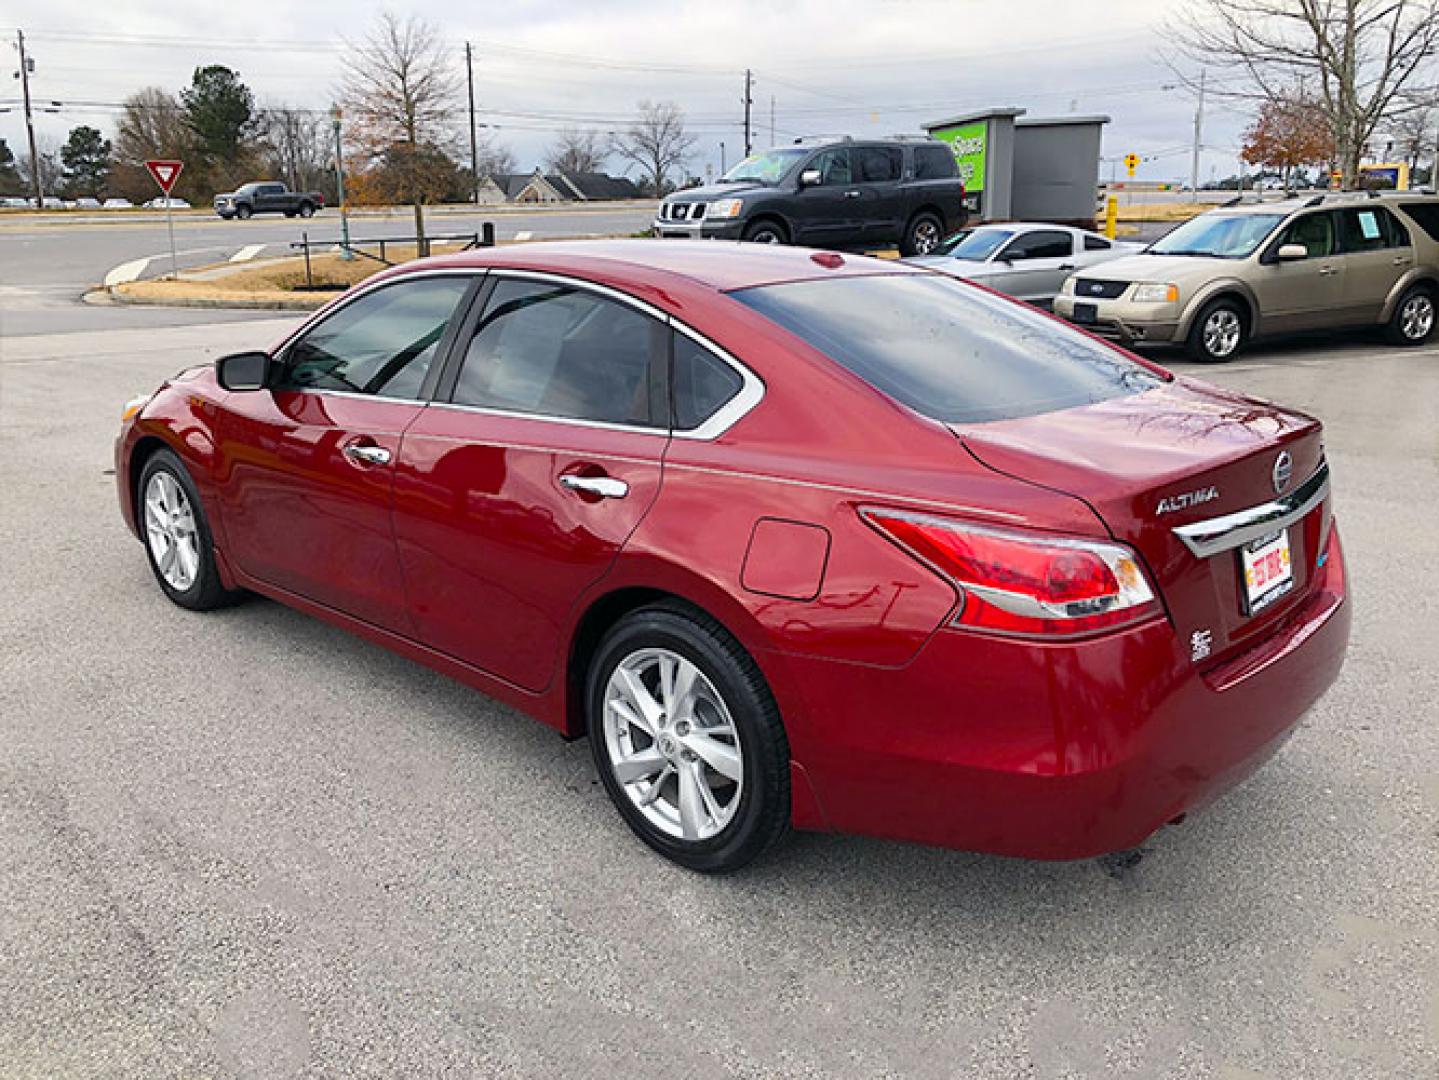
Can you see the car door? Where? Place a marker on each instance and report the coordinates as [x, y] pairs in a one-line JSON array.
[[1377, 252], [1301, 294], [828, 213], [308, 466], [517, 488], [1038, 262], [881, 206], [272, 197]]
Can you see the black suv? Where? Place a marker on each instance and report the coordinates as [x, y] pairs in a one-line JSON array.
[[845, 193]]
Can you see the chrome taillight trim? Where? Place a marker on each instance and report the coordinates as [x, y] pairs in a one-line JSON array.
[[1229, 531]]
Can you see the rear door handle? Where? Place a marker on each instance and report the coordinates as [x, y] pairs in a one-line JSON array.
[[604, 487], [367, 453], [1328, 271], [851, 194]]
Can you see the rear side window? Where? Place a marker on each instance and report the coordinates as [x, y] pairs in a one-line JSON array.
[[948, 350], [557, 351], [1095, 243], [877, 164], [1370, 229], [1425, 215], [934, 163], [702, 383]]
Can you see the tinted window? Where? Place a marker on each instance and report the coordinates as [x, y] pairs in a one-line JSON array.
[[876, 164], [1313, 232], [1039, 245], [833, 166], [1426, 215], [934, 163], [1370, 229], [554, 350], [948, 350], [1095, 243], [702, 383], [273, 189], [382, 343]]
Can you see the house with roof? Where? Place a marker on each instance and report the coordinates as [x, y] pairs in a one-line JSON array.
[[556, 187]]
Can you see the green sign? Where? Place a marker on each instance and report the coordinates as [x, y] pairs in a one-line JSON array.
[[969, 143]]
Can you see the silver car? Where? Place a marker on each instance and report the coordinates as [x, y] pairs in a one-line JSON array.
[[1026, 260]]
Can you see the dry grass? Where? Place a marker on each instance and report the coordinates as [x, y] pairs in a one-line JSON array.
[[1141, 211]]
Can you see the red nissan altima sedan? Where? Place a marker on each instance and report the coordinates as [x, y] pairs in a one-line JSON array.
[[797, 539]]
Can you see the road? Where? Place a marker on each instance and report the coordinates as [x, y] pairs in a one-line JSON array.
[[50, 262], [246, 844]]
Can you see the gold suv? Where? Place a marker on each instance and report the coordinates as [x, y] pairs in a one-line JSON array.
[[1243, 271]]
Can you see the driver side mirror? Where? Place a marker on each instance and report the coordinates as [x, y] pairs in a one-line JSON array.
[[244, 371], [810, 178], [1292, 252]]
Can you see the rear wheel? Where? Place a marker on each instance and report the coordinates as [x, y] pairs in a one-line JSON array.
[[1414, 316], [1218, 333], [923, 235], [177, 536], [687, 739], [766, 231], [243, 212], [307, 210]]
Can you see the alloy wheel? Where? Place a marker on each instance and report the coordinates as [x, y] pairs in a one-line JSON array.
[[926, 237], [672, 744], [1222, 331], [170, 531], [1416, 318]]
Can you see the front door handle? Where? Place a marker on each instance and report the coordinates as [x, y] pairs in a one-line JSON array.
[[367, 454], [1328, 271], [1401, 260], [851, 194], [603, 487]]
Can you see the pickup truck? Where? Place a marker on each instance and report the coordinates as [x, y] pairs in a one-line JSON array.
[[267, 197], [829, 193]]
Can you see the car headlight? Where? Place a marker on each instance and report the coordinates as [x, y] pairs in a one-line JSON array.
[[1156, 293], [725, 208]]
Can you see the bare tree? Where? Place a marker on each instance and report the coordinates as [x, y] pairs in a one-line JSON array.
[[657, 142], [152, 125], [1416, 133], [1355, 57], [401, 91], [576, 151], [494, 158], [298, 147]]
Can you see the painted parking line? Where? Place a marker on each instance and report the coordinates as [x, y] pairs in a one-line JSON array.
[[248, 252], [523, 236], [126, 272]]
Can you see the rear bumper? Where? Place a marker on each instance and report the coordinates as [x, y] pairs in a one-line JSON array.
[[1059, 751]]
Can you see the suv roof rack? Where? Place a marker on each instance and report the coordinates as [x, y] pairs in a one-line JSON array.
[[823, 138]]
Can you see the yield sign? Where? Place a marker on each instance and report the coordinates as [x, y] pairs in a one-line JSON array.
[[165, 173]]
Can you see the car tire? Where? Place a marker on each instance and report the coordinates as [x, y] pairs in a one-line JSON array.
[[714, 809], [243, 212], [765, 231], [1218, 333], [1414, 317], [307, 210], [922, 235], [177, 537]]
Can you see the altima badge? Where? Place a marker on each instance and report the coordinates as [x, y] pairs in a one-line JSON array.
[[1171, 503]]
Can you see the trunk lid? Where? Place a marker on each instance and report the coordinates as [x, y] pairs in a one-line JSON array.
[[1172, 456]]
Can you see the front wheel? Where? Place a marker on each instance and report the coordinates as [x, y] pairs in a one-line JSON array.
[[923, 235], [766, 232], [688, 740], [177, 536], [1414, 316], [1218, 333], [243, 212]]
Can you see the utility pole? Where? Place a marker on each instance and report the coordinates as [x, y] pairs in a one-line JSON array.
[[748, 101], [346, 252], [1198, 131], [474, 145], [29, 121]]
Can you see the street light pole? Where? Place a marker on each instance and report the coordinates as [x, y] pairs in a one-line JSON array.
[[1198, 129], [336, 115], [30, 121], [474, 143]]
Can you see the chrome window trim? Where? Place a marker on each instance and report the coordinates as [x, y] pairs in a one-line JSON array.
[[1229, 531], [751, 392]]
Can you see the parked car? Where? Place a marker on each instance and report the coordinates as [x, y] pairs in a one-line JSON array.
[[768, 527], [85, 202], [1026, 260], [828, 193], [159, 202], [267, 197], [1254, 270], [118, 204], [15, 202], [52, 202]]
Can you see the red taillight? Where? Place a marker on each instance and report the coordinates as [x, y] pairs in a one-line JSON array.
[[1021, 583]]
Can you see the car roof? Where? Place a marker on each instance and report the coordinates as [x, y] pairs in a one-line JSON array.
[[718, 264]]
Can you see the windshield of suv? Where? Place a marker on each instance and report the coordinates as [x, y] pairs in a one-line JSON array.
[[766, 168], [1223, 236], [973, 245], [950, 351]]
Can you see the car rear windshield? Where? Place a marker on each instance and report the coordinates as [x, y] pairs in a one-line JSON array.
[[948, 350]]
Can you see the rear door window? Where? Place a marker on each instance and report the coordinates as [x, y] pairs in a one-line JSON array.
[[948, 350], [1370, 229], [702, 383], [878, 164]]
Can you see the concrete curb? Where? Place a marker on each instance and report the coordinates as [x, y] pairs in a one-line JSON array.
[[215, 303]]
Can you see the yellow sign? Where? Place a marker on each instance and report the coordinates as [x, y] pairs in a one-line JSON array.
[[1131, 162]]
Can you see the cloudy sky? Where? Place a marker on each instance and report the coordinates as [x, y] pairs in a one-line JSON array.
[[830, 66]]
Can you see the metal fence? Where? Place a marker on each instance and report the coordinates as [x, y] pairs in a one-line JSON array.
[[379, 248]]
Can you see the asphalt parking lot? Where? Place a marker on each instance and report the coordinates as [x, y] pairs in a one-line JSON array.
[[246, 844]]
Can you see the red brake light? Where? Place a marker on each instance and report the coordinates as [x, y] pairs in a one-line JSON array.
[[1014, 582]]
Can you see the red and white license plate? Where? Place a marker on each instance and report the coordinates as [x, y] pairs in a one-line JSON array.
[[1268, 570]]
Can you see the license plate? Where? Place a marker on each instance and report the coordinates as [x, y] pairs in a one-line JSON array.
[[1268, 571], [1086, 314]]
